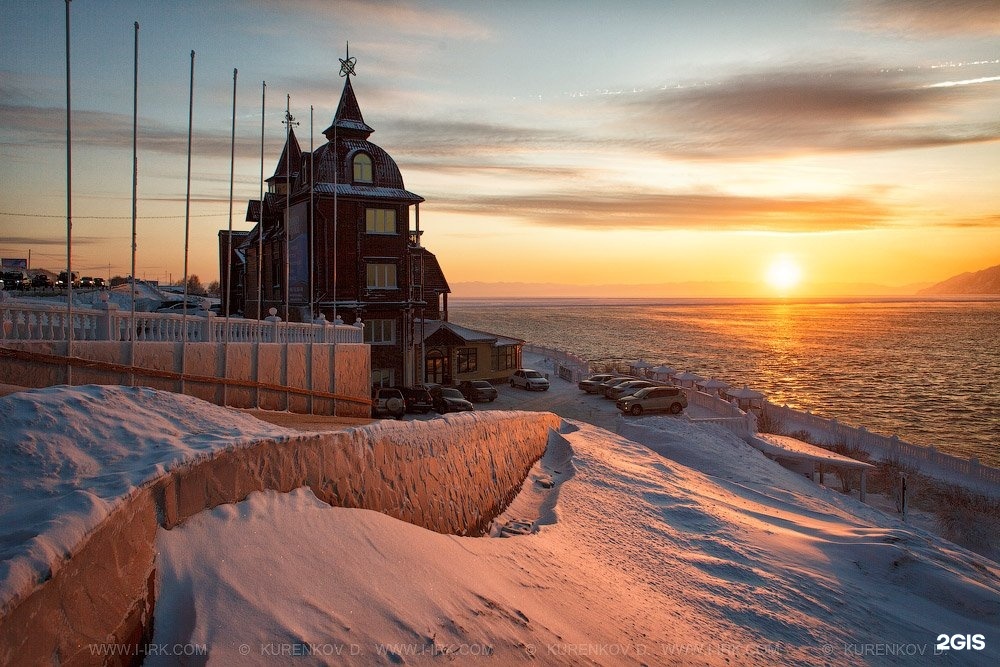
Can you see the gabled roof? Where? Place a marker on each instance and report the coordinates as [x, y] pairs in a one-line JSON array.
[[290, 153], [439, 332], [348, 120]]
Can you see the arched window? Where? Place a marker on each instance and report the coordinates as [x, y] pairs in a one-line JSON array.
[[362, 168]]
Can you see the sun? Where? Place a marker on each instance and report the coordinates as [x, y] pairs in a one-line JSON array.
[[784, 274]]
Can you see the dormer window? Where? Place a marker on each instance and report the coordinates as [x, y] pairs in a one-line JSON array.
[[362, 168]]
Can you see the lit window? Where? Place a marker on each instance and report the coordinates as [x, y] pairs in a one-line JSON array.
[[380, 220], [381, 276], [362, 168]]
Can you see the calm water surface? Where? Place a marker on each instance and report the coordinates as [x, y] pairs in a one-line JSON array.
[[928, 371]]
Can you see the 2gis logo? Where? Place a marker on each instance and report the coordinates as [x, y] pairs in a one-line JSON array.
[[959, 643]]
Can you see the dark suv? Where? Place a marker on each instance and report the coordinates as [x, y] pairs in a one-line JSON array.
[[417, 399], [16, 280]]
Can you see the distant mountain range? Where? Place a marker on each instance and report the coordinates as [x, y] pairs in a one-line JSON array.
[[986, 281]]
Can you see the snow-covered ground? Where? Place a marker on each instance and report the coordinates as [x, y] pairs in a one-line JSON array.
[[689, 549]]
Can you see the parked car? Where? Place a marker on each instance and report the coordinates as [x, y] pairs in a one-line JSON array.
[[417, 399], [61, 280], [653, 399], [178, 307], [590, 384], [16, 280], [449, 399], [529, 379], [388, 402], [627, 388], [478, 390], [41, 281], [614, 382]]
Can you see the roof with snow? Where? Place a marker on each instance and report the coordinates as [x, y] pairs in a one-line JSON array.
[[438, 332], [348, 119]]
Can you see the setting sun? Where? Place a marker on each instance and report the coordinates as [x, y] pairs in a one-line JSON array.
[[784, 273]]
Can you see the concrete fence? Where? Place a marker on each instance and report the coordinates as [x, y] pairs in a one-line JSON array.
[[927, 459], [326, 379]]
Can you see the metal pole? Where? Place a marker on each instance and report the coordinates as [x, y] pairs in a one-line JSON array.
[[187, 223], [312, 240], [229, 246], [288, 194], [135, 194], [69, 212], [260, 215]]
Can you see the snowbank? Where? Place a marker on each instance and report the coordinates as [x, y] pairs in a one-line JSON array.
[[89, 472]]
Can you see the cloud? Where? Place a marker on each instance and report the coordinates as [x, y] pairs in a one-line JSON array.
[[687, 211], [46, 126], [406, 18], [928, 18], [791, 112]]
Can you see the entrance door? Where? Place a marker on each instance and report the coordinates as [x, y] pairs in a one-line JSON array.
[[435, 367]]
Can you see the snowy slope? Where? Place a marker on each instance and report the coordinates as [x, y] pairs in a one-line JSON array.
[[638, 559]]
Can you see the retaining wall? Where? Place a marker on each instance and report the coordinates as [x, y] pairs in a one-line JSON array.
[[451, 475], [240, 375]]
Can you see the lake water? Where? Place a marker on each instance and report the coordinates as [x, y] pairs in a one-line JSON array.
[[927, 371]]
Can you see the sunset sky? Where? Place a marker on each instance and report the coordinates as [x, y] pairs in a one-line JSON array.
[[742, 149]]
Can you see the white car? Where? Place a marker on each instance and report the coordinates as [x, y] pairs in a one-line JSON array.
[[529, 379]]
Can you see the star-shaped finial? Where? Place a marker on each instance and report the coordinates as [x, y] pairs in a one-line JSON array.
[[347, 65]]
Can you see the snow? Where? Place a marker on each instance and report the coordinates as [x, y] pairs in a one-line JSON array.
[[679, 543], [69, 455]]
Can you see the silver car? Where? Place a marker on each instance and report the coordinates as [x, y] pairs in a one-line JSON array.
[[654, 399], [529, 379], [628, 388]]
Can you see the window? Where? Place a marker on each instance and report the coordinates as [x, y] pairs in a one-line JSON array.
[[467, 360], [380, 332], [383, 377], [504, 357], [380, 221], [381, 276], [362, 168]]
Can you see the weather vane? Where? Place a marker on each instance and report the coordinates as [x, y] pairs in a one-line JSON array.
[[347, 65], [289, 118]]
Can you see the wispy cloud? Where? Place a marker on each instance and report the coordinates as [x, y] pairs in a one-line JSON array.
[[27, 125], [704, 212], [928, 17], [782, 113]]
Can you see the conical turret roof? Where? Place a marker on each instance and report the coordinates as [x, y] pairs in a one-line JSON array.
[[291, 154], [348, 121]]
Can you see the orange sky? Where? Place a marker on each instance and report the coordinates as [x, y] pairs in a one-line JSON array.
[[679, 149]]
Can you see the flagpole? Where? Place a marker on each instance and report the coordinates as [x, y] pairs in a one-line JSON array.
[[69, 211], [260, 215], [288, 191], [229, 246], [187, 222], [135, 193], [312, 241]]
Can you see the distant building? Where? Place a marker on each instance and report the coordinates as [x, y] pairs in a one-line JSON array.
[[348, 228]]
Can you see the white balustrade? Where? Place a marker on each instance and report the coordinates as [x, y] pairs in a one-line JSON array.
[[30, 321]]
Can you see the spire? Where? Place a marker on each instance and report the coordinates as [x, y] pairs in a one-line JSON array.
[[348, 121], [291, 154]]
